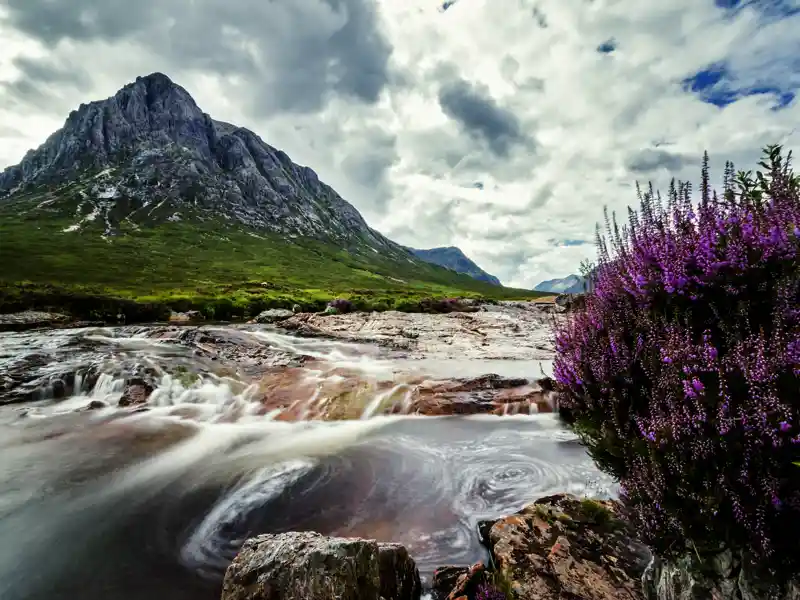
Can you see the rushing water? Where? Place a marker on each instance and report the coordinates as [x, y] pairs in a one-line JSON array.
[[154, 504]]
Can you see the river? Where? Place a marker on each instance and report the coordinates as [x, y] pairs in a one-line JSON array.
[[145, 504]]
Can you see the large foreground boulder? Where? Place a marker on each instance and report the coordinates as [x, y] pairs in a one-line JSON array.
[[310, 566], [566, 547]]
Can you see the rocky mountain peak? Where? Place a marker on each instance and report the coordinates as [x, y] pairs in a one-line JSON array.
[[149, 153]]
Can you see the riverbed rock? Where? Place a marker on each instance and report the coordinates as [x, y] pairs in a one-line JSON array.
[[506, 330], [453, 583], [136, 392], [566, 547], [310, 566], [487, 394], [273, 315], [345, 394], [190, 316], [31, 319]]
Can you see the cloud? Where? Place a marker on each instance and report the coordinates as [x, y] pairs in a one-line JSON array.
[[652, 159], [294, 55], [403, 107], [41, 79], [474, 108]]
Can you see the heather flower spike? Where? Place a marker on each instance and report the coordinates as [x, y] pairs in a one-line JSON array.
[[690, 337], [489, 592]]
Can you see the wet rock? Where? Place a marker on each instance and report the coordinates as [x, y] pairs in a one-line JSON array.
[[565, 547], [488, 394], [87, 324], [452, 583], [506, 330], [398, 574], [31, 319], [186, 317], [445, 579], [345, 394], [96, 405], [725, 576], [137, 391], [309, 566], [229, 345], [273, 315]]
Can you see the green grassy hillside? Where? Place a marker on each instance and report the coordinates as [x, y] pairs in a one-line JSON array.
[[224, 270]]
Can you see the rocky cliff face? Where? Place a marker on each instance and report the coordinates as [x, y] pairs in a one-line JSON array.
[[453, 258], [149, 153]]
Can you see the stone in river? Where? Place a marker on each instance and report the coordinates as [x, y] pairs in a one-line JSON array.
[[309, 566]]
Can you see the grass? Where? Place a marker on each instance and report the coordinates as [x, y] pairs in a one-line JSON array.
[[223, 270]]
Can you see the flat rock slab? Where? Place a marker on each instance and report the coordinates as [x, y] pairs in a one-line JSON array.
[[508, 330], [31, 319], [310, 566]]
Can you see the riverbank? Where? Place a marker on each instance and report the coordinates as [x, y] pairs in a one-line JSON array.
[[238, 302]]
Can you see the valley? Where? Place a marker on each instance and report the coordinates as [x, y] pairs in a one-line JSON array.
[[142, 205]]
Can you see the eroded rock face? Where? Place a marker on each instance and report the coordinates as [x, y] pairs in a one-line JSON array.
[[310, 566], [722, 577], [564, 547]]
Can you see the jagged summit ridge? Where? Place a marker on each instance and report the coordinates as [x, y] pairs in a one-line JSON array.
[[149, 153]]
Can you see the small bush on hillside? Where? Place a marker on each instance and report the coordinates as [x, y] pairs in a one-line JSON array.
[[682, 372], [341, 305]]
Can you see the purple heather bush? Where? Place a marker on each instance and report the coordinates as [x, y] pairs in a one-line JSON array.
[[489, 592], [682, 372]]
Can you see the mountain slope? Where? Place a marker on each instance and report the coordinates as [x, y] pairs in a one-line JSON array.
[[143, 196], [453, 258], [154, 155], [572, 284]]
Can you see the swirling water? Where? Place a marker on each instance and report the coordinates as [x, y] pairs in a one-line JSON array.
[[147, 505]]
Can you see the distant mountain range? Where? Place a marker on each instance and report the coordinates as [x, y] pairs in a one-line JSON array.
[[143, 195], [453, 258], [572, 284]]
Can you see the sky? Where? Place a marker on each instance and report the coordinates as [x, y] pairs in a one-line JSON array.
[[503, 127]]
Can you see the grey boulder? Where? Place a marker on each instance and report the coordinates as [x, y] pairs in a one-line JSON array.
[[310, 566]]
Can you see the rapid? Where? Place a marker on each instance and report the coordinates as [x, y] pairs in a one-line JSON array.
[[152, 501]]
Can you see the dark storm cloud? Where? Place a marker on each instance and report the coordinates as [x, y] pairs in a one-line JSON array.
[[298, 52], [650, 159], [40, 80], [479, 114], [369, 164]]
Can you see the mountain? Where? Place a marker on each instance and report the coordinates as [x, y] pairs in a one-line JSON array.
[[152, 155], [143, 196], [453, 258], [573, 284]]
